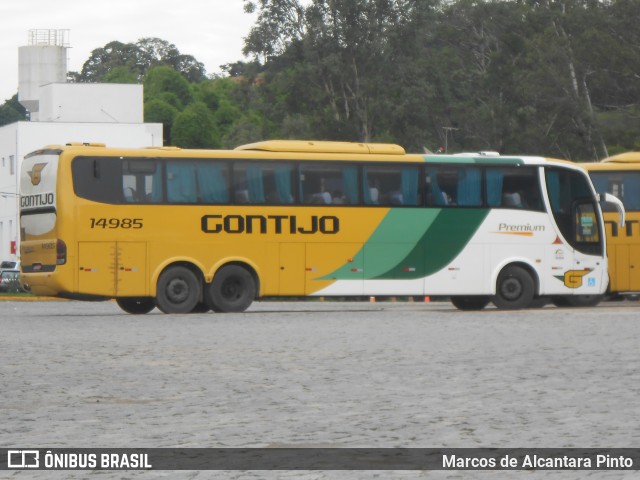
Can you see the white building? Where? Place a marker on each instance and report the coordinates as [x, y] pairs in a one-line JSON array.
[[62, 113]]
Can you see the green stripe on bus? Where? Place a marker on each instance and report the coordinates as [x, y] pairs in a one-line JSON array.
[[446, 237], [412, 244], [462, 160]]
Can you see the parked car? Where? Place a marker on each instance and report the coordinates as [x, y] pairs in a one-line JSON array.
[[10, 281]]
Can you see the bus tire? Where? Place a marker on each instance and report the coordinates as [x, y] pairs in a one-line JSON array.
[[232, 290], [178, 291], [136, 305], [515, 289], [475, 302], [577, 300]]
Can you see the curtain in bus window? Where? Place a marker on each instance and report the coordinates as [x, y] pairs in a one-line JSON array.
[[350, 180], [181, 182], [155, 189], [370, 192], [409, 185], [631, 191], [469, 187], [437, 198], [212, 184], [255, 184], [283, 183], [495, 178], [553, 189]]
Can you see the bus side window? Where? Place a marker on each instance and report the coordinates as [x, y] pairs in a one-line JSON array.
[[129, 194], [513, 187], [328, 184], [513, 200], [390, 185], [263, 183], [98, 179], [435, 197], [141, 181]]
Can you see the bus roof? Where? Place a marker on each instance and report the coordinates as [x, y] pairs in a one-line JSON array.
[[627, 157], [305, 150], [310, 146]]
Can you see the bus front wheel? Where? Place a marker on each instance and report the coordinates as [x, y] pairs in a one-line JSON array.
[[178, 291], [136, 305], [515, 289], [476, 302], [232, 290]]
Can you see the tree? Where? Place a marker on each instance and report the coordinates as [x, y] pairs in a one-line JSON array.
[[195, 127], [112, 55], [158, 110], [11, 111], [340, 52], [138, 59], [120, 75], [165, 81]]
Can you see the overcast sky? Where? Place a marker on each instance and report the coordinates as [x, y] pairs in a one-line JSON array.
[[210, 30]]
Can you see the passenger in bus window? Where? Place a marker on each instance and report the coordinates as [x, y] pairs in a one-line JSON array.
[[512, 200], [129, 195], [339, 198]]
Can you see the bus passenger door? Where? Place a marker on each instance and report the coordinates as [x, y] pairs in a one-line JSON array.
[[291, 269], [96, 268], [131, 269], [587, 241]]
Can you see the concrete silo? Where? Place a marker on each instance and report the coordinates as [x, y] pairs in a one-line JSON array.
[[41, 62]]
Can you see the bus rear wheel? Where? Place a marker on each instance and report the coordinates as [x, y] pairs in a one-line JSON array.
[[475, 302], [232, 290], [136, 305], [515, 289], [178, 291]]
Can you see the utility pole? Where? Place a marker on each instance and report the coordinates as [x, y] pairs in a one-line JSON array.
[[446, 137]]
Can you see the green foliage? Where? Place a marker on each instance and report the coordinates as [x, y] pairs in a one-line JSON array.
[[156, 110], [195, 127], [137, 59], [519, 77], [120, 75], [11, 111], [164, 80], [522, 77]]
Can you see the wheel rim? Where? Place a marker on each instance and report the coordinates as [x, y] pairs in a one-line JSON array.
[[177, 290], [511, 289], [231, 289]]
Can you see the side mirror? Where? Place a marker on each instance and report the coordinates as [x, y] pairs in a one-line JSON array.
[[608, 198]]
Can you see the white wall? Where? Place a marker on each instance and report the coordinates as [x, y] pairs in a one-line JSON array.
[[97, 102], [8, 190]]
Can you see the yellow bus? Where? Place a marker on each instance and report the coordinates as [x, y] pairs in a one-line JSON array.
[[193, 230], [620, 176]]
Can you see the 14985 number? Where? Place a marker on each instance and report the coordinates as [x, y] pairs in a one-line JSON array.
[[126, 223]]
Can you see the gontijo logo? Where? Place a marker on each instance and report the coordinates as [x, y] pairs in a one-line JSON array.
[[36, 173], [278, 224]]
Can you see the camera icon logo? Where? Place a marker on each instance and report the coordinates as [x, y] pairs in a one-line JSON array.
[[23, 459]]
